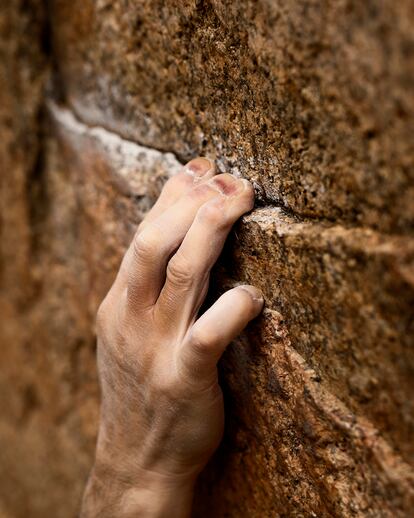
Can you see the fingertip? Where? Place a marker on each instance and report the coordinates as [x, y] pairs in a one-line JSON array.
[[248, 185], [256, 297], [220, 324], [248, 193], [200, 167]]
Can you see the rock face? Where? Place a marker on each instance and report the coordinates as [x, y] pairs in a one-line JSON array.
[[314, 103]]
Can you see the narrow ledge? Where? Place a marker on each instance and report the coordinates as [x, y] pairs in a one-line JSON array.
[[274, 220], [127, 157]]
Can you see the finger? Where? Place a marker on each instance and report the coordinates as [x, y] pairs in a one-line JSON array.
[[188, 270], [152, 248], [194, 173], [197, 170], [216, 328]]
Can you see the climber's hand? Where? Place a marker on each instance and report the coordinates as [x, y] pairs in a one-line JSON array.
[[162, 408]]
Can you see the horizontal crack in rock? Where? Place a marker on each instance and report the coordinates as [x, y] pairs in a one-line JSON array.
[[125, 154]]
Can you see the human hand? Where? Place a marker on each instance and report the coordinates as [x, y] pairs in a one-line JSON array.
[[162, 408]]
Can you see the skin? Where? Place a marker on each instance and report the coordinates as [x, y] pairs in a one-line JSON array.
[[162, 407]]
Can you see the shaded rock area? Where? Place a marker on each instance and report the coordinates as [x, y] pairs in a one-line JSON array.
[[313, 101]]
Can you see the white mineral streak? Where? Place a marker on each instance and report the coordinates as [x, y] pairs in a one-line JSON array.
[[126, 157]]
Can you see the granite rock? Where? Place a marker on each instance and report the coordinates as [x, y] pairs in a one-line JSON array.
[[312, 102]]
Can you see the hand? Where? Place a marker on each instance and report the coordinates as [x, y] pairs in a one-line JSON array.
[[162, 408]]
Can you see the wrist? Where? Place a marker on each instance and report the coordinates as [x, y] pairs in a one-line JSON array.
[[141, 461], [113, 491], [158, 499]]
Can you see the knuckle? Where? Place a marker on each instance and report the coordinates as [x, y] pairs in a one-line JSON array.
[[180, 180], [107, 323], [212, 215], [201, 341], [147, 244], [179, 272], [113, 315], [102, 316]]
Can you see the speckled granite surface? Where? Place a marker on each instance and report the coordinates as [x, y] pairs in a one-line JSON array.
[[314, 103]]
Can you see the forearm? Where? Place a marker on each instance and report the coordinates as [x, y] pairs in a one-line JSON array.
[[107, 495]]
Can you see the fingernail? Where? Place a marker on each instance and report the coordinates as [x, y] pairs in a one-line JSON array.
[[227, 184], [255, 293], [199, 167], [246, 183]]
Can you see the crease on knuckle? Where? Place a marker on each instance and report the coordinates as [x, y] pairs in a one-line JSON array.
[[179, 273], [147, 244]]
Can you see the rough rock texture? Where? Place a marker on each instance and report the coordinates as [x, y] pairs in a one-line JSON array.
[[313, 101], [325, 372]]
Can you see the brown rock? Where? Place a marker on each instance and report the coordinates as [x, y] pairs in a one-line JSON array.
[[316, 387], [96, 185], [292, 448], [347, 297], [310, 101]]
